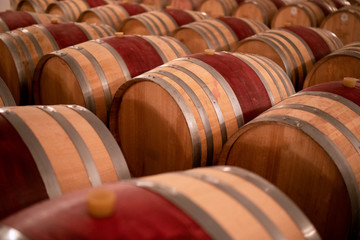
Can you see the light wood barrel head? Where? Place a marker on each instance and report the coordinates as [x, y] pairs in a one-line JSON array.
[[317, 131], [344, 23]]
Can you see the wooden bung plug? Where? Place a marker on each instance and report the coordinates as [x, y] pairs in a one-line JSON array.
[[209, 51], [349, 82], [101, 203], [119, 34], [54, 21]]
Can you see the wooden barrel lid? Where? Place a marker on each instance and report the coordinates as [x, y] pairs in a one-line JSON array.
[[335, 66], [315, 124]]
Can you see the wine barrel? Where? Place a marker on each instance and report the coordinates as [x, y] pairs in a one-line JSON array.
[[281, 3], [186, 4], [320, 41], [11, 20], [89, 74], [183, 111], [219, 34], [238, 205], [69, 9], [75, 150], [21, 50], [309, 148], [34, 5], [218, 8], [260, 10], [305, 13], [295, 49], [159, 23], [343, 62], [6, 99], [158, 3], [72, 9], [345, 23], [113, 14]]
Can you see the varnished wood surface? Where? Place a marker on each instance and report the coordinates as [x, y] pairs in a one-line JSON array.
[[319, 41], [110, 14], [59, 163], [69, 9], [304, 13], [185, 4], [260, 10], [287, 49], [205, 203], [23, 48], [341, 63], [6, 99], [99, 69], [299, 163], [16, 19], [217, 8], [344, 23], [181, 113], [218, 34], [34, 5]]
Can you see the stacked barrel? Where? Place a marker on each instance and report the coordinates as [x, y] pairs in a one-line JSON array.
[[114, 115]]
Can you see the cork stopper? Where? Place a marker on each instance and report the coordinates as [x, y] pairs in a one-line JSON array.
[[209, 51], [119, 34], [349, 82], [54, 21], [101, 203]]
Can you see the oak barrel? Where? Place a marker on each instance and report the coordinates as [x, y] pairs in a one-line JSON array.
[[157, 3], [343, 62], [34, 5], [11, 20], [6, 99], [294, 48], [205, 203], [218, 34], [305, 13], [260, 10], [179, 115], [186, 4], [219, 8], [68, 9], [89, 74], [21, 50], [163, 22], [345, 23], [47, 151], [113, 14], [308, 146]]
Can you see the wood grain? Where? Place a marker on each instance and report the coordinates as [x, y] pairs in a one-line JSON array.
[[179, 115], [299, 163], [341, 63], [64, 159]]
